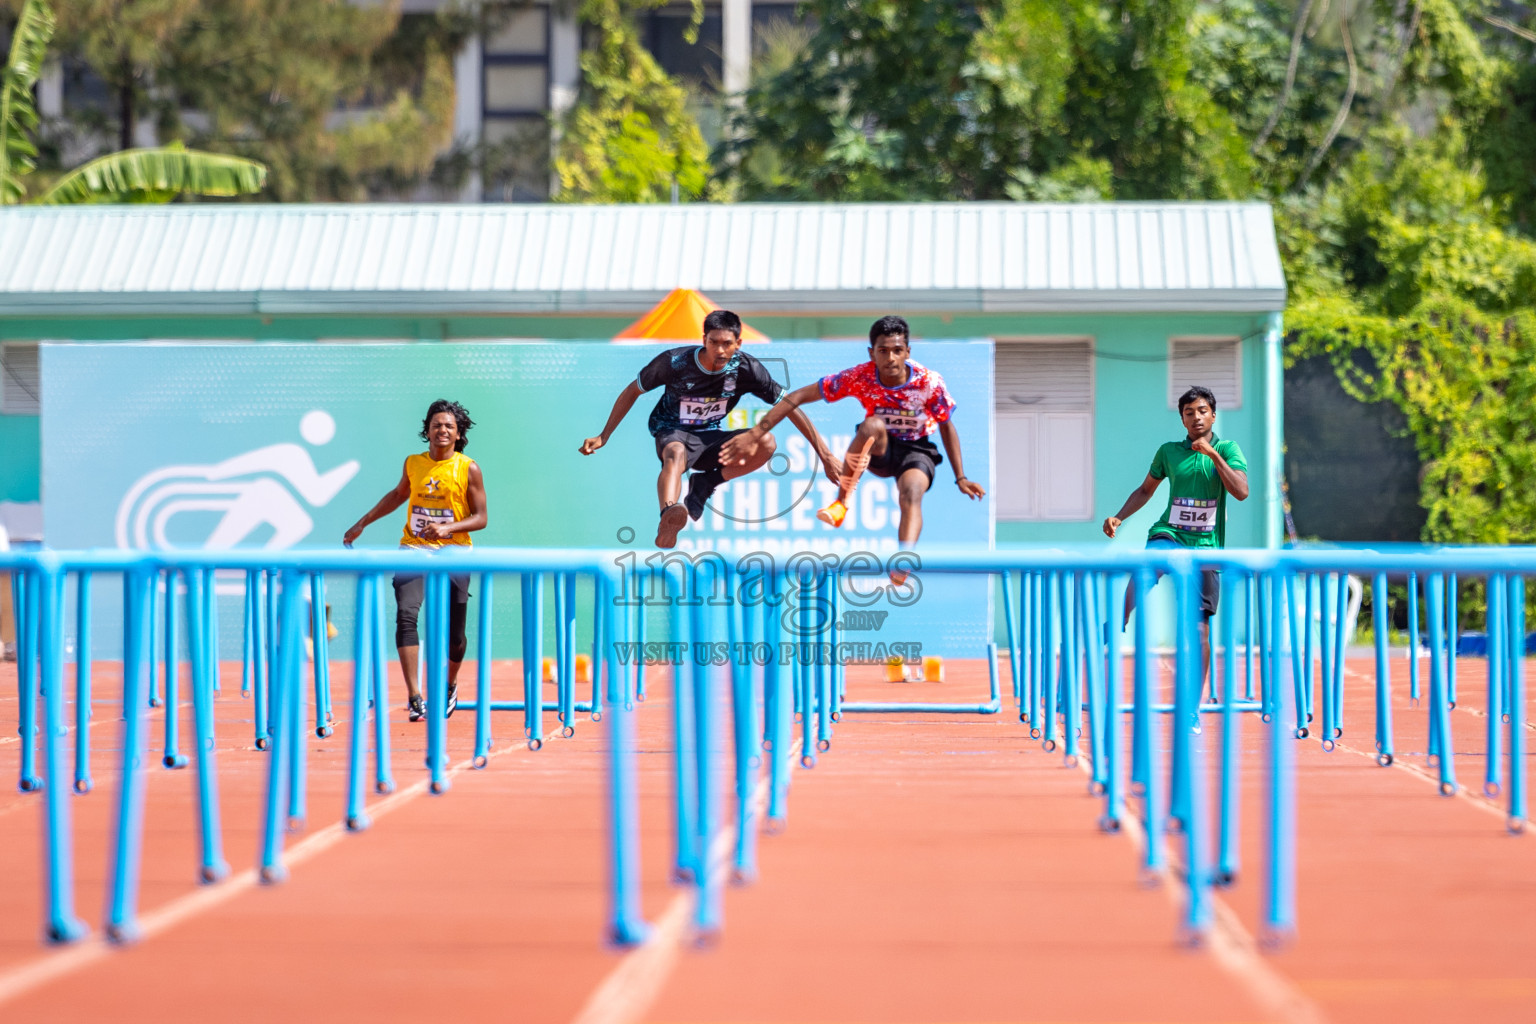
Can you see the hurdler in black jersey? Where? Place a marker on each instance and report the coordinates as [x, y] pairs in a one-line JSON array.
[[702, 384]]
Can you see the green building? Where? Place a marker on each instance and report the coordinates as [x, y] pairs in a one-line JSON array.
[[1100, 313]]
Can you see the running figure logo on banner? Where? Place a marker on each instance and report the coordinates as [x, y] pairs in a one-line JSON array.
[[273, 487]]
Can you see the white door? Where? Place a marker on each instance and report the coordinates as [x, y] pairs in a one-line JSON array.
[[1044, 424]]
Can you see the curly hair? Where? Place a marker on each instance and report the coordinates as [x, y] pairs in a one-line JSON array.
[[460, 415], [890, 325]]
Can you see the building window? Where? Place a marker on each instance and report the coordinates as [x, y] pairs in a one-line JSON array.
[[1214, 362], [22, 384], [1043, 406], [517, 65], [664, 32], [514, 107]]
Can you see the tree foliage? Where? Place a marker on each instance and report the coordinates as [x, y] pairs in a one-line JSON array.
[[630, 138], [141, 175]]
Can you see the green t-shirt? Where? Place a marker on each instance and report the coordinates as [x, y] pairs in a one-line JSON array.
[[1196, 516]]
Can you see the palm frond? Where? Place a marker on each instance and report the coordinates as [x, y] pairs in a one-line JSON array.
[[18, 115], [157, 175]]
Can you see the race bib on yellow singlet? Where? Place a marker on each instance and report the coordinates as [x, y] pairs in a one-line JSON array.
[[1193, 515], [421, 517], [692, 412], [902, 423]]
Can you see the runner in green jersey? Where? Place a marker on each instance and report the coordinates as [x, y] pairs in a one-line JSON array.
[[1201, 471]]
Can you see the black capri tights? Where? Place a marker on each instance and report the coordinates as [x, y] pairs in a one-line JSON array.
[[409, 593]]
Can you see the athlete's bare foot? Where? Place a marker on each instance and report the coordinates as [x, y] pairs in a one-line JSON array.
[[673, 518]]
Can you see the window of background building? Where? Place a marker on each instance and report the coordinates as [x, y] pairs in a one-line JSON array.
[[1043, 406], [21, 384], [1212, 362], [699, 63], [515, 105]]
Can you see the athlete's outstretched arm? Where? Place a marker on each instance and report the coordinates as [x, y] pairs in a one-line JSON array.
[[392, 500], [740, 449], [621, 407], [951, 438], [474, 497], [830, 463], [1139, 497]]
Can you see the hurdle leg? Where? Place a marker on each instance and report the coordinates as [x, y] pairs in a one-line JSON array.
[[743, 732], [152, 651], [1452, 636], [1091, 631], [1383, 671], [483, 671], [63, 924], [1071, 668], [709, 904], [1494, 625], [1187, 690], [1341, 628], [1301, 645], [24, 591], [685, 866], [1516, 653], [362, 679], [174, 758], [438, 584], [1279, 906], [533, 658], [1114, 791], [285, 682], [780, 716], [261, 672], [83, 712], [128, 832], [298, 734], [626, 925], [320, 642], [1440, 719], [1153, 856], [200, 638], [1231, 750], [1413, 639], [384, 777]]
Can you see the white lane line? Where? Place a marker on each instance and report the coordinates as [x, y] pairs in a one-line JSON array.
[[23, 978], [1233, 949], [629, 990]]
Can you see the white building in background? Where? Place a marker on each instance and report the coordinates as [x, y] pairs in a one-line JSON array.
[[510, 82]]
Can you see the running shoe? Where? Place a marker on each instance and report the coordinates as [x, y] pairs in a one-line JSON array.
[[834, 514], [673, 518], [453, 699], [416, 709], [898, 576], [698, 494]]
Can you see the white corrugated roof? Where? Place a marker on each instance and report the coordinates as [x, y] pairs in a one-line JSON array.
[[814, 258]]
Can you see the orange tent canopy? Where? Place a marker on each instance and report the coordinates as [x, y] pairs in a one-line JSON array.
[[679, 317]]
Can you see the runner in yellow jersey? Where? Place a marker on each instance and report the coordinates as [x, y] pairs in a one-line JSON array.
[[447, 502]]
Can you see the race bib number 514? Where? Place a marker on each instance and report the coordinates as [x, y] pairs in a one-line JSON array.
[[1195, 515]]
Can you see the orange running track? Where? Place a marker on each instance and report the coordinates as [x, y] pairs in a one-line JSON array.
[[934, 868]]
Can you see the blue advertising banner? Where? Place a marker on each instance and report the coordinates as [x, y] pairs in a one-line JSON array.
[[275, 445]]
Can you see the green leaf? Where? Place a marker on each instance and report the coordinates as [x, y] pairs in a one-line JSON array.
[[18, 116], [157, 175]]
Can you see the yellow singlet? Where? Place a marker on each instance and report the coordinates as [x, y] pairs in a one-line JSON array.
[[439, 493]]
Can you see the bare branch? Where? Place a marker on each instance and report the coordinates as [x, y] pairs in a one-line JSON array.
[[1290, 76], [1349, 99]]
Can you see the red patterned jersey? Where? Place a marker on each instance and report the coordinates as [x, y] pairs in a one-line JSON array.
[[911, 412]]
